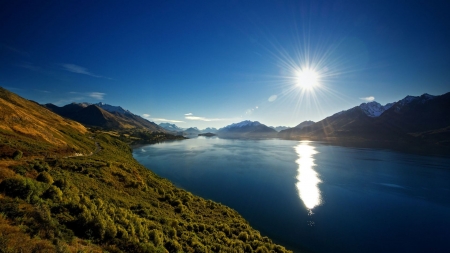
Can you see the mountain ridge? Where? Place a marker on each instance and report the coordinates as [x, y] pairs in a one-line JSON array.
[[399, 123]]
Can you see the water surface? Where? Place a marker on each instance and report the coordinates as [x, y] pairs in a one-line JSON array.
[[315, 197]]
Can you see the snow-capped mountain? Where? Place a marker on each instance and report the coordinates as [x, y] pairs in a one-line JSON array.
[[171, 127], [245, 123], [374, 109]]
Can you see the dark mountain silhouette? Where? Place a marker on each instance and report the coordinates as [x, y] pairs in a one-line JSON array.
[[93, 115], [420, 120]]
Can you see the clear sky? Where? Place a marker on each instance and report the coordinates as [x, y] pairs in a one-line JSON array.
[[212, 63]]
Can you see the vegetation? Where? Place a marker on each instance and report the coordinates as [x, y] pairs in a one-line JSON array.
[[102, 200]]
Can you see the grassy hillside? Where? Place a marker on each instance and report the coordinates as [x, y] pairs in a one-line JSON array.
[[100, 201]]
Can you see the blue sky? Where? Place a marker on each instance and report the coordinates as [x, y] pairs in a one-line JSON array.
[[212, 63]]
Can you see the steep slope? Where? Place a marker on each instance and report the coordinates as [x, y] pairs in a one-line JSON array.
[[103, 201], [28, 127], [247, 129]]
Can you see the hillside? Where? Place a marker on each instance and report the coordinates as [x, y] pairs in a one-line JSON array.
[[101, 200], [420, 122], [26, 126], [104, 116]]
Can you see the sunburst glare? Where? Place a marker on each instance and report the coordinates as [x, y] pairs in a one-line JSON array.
[[307, 78]]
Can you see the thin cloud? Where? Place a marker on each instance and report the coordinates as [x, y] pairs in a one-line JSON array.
[[188, 114], [84, 95], [96, 95], [80, 70], [368, 99], [201, 118], [145, 115], [166, 120]]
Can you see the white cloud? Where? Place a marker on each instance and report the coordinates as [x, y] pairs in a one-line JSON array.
[[368, 99], [249, 111], [145, 115], [201, 118], [96, 95], [188, 114], [166, 120], [80, 70], [272, 98]]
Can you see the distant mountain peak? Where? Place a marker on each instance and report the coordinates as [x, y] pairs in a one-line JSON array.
[[304, 124], [374, 109], [243, 124], [247, 128]]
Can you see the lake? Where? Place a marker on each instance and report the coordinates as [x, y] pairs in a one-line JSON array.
[[317, 197]]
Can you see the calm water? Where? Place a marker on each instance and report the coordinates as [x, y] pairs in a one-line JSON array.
[[306, 195]]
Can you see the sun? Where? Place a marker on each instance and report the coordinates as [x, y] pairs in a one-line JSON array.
[[307, 78]]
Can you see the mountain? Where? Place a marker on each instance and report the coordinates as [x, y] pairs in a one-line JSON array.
[[374, 109], [247, 129], [209, 130], [416, 120], [171, 127], [279, 128], [112, 109], [304, 124], [112, 117], [192, 130], [27, 126]]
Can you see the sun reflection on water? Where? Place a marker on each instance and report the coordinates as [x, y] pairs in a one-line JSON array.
[[308, 178]]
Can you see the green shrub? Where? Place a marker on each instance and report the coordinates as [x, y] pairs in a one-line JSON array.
[[15, 187], [243, 236], [17, 155], [61, 183], [262, 249], [156, 237], [45, 177], [173, 246], [19, 169], [53, 193]]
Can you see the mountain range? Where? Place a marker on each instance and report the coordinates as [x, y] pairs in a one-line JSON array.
[[416, 120], [247, 129], [186, 131], [104, 116]]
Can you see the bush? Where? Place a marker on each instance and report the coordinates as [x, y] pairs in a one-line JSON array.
[[17, 155], [173, 246], [53, 193], [61, 183], [45, 177], [15, 187], [262, 249], [243, 236]]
